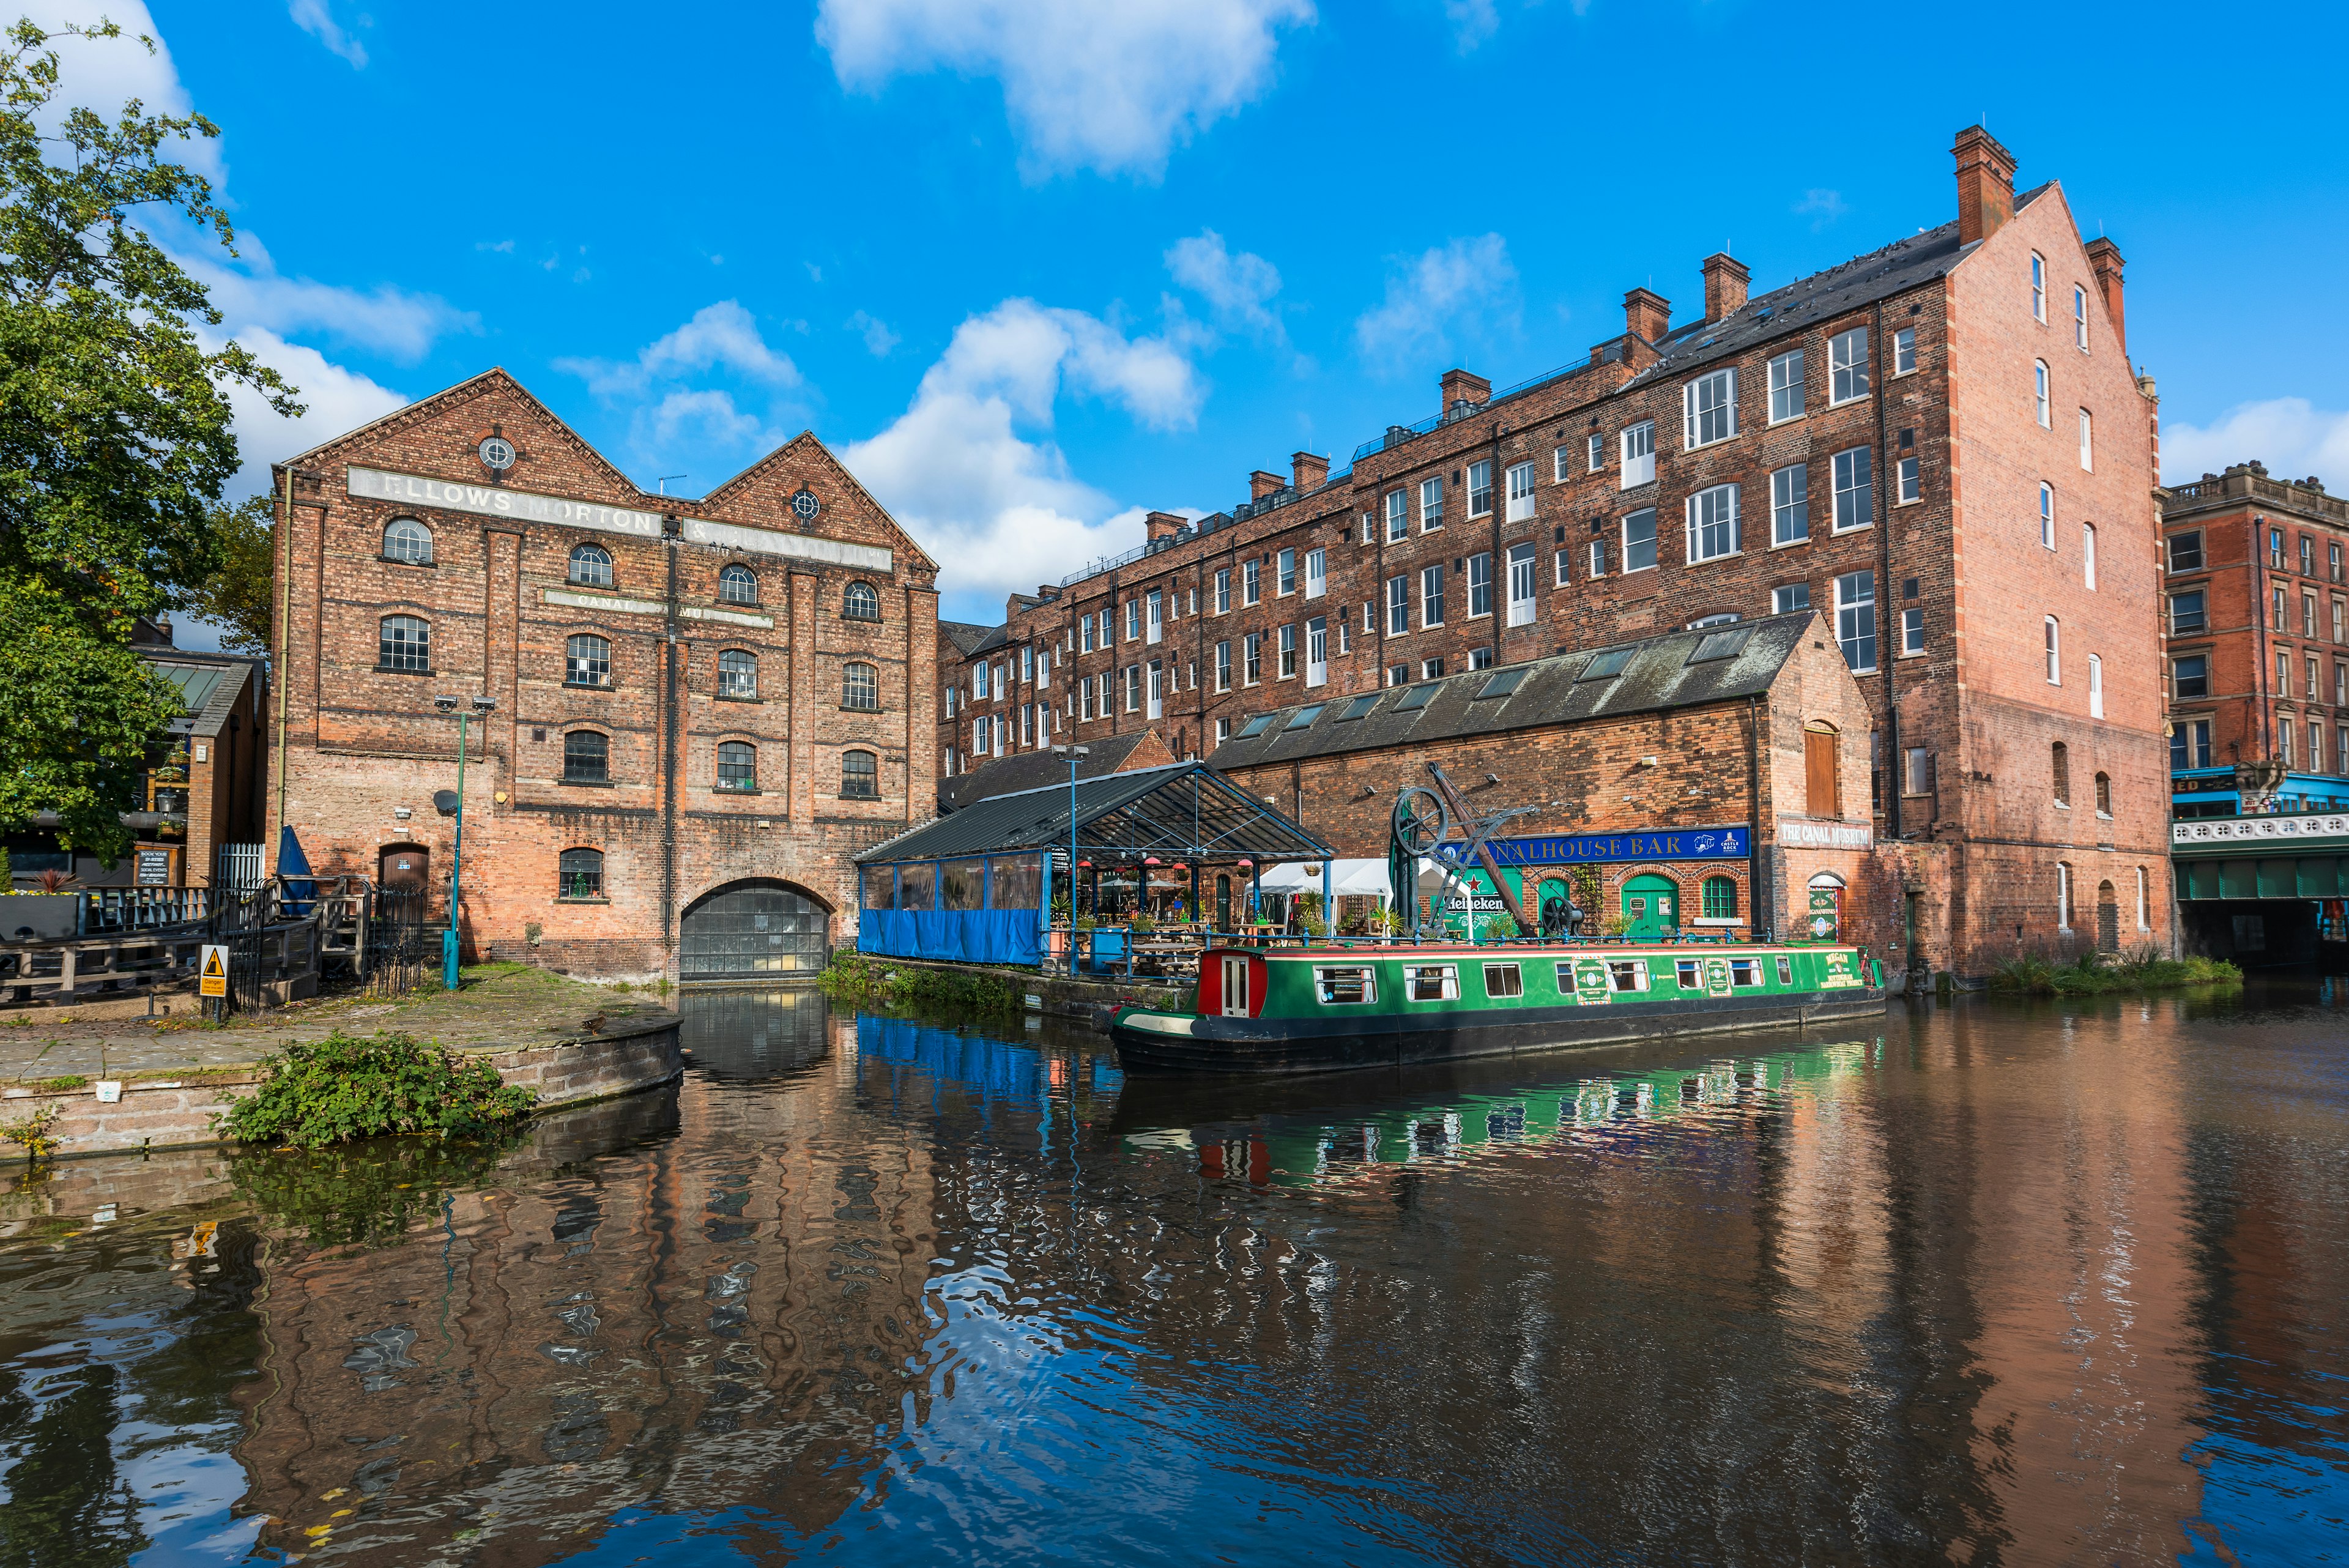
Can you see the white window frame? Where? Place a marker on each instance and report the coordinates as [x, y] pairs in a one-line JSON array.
[[1520, 477], [2088, 555], [1710, 525], [1478, 480], [1624, 530], [1399, 605], [1224, 665], [1786, 386], [2144, 906], [1597, 450], [1155, 690], [1284, 649], [1521, 584], [2053, 637], [1284, 572], [1709, 409], [1251, 584], [1780, 602], [2080, 319], [1317, 572], [2038, 288], [2095, 686], [2046, 515], [1904, 351], [1638, 448], [1430, 506], [1908, 483], [1847, 480], [1222, 600], [1478, 576], [2043, 400], [1430, 593], [2088, 441], [1223, 730], [1252, 658], [1848, 632], [1848, 370], [1912, 630], [1560, 572], [1317, 651], [1598, 557], [1398, 516], [1133, 620], [1558, 470], [1790, 497], [1134, 688], [1153, 619]]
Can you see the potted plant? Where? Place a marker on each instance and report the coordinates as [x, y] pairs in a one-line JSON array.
[[50, 910]]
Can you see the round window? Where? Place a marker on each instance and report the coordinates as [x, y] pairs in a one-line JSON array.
[[497, 452]]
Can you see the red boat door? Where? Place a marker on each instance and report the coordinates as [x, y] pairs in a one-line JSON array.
[[1234, 987]]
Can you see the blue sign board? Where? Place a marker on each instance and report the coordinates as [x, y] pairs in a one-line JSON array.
[[1652, 844]]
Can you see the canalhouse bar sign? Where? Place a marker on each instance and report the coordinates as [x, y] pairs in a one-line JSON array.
[[1649, 843], [496, 501]]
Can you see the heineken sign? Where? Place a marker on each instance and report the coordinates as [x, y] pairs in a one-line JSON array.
[[1647, 844]]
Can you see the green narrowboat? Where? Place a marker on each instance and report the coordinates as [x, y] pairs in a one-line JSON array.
[[1329, 1009]]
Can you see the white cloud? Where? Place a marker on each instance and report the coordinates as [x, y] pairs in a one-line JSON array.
[[1473, 21], [1822, 207], [1238, 289], [316, 18], [249, 291], [1110, 88], [2293, 437], [104, 74], [702, 418], [970, 468], [721, 336], [336, 401], [878, 339], [1463, 291]]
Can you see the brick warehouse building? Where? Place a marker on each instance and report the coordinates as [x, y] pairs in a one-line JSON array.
[[701, 708], [1766, 790], [1940, 446]]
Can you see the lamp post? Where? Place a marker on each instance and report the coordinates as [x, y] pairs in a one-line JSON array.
[[1075, 755], [482, 707]]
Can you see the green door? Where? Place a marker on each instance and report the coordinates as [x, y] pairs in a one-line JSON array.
[[1651, 907]]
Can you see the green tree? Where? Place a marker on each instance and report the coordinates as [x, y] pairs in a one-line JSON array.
[[115, 435], [238, 595]]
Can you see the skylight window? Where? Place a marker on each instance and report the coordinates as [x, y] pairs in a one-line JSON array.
[[1503, 682], [1608, 665], [1721, 645], [1358, 708], [1303, 717], [1258, 726], [1418, 697]]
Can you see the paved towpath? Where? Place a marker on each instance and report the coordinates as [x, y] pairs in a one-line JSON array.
[[497, 1006]]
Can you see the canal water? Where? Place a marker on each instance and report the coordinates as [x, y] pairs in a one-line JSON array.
[[1984, 1282]]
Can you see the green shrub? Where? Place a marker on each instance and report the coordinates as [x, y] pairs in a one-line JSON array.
[[853, 977], [2098, 974], [345, 1087]]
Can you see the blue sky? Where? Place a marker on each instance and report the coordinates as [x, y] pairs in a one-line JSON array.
[[1033, 266]]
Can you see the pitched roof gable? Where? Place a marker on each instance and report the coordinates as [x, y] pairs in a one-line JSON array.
[[495, 380], [799, 449]]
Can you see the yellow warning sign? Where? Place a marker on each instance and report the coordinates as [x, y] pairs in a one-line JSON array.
[[212, 980]]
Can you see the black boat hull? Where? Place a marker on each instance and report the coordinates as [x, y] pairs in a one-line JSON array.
[[1268, 1045]]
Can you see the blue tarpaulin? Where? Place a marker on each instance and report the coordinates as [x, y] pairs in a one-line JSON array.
[[966, 936]]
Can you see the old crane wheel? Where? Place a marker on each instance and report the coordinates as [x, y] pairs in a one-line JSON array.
[[1421, 820]]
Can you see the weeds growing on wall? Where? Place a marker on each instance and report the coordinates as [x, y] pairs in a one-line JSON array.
[[853, 977], [2101, 974], [347, 1086], [32, 1134]]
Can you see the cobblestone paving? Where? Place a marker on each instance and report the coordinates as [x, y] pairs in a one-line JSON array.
[[495, 1007]]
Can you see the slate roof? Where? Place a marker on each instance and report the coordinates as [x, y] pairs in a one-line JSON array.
[[1180, 811], [1656, 673], [969, 638], [1034, 769], [1860, 282]]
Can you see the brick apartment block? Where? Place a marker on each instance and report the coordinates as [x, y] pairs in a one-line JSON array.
[[2258, 617], [694, 699], [1957, 473]]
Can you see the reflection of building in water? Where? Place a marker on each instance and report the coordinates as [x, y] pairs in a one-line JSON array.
[[723, 1319], [756, 1034]]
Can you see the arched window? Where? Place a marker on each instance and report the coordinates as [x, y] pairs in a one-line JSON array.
[[587, 757], [738, 673], [404, 642], [579, 874], [2104, 795], [408, 540], [737, 765], [2047, 515], [2060, 767], [1822, 792], [860, 688], [1720, 898], [2039, 390], [2054, 636], [591, 567], [737, 585], [589, 662], [860, 776], [860, 603]]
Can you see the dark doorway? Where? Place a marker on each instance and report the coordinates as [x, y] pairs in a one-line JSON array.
[[1223, 903], [754, 930], [404, 869], [2108, 919]]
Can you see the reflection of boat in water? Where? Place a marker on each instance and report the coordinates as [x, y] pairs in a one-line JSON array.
[[1329, 1009], [1446, 1112]]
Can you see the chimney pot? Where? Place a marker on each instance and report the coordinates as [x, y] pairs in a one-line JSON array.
[[1985, 184], [1724, 286], [1647, 314], [1308, 470], [2106, 257], [1462, 387], [1157, 526], [1263, 482]]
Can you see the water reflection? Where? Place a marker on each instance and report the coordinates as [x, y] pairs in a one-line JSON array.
[[2003, 1283]]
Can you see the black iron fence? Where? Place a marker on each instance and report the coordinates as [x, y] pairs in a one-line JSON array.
[[400, 946]]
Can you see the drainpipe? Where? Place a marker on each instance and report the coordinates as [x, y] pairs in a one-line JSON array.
[[1754, 818], [1495, 589], [2263, 708], [284, 637], [671, 532], [1888, 654]]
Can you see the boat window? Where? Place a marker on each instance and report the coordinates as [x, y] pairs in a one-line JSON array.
[[1785, 971], [1627, 974], [1503, 980], [1687, 975], [1744, 972], [1434, 982], [1344, 985]]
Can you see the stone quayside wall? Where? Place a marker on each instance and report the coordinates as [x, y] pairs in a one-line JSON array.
[[177, 1111]]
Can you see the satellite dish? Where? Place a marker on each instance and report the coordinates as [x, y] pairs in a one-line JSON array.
[[444, 801]]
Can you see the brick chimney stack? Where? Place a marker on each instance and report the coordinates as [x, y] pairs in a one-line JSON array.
[[1647, 314], [1157, 526], [2106, 257], [1460, 386], [1308, 470], [1263, 482], [1985, 184], [1724, 286]]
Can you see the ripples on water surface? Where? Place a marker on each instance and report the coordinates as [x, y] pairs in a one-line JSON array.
[[1988, 1284]]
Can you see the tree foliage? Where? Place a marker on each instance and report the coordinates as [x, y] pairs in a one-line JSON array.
[[115, 435], [239, 595], [347, 1087]]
